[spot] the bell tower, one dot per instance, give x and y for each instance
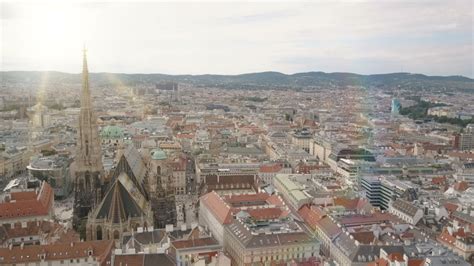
(88, 167)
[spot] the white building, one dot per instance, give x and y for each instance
(406, 211)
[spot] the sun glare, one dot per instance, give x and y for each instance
(56, 30)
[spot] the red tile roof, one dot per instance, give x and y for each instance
(267, 213)
(364, 237)
(23, 195)
(262, 205)
(329, 227)
(129, 260)
(270, 168)
(304, 168)
(438, 180)
(311, 215)
(379, 262)
(31, 228)
(247, 199)
(451, 207)
(416, 262)
(446, 238)
(27, 205)
(355, 204)
(218, 207)
(199, 242)
(395, 257)
(275, 200)
(17, 255)
(461, 186)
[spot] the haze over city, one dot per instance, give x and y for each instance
(365, 37)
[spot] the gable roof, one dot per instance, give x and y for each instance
(118, 205)
(194, 242)
(351, 204)
(461, 186)
(218, 207)
(132, 163)
(27, 204)
(405, 207)
(329, 227)
(20, 255)
(311, 215)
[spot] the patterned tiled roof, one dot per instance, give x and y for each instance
(405, 207)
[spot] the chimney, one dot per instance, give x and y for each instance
(22, 245)
(72, 244)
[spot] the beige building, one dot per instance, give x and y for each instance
(320, 148)
(14, 161)
(248, 244)
(302, 139)
(406, 211)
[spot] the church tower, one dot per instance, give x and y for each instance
(88, 162)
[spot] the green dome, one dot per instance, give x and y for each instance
(112, 132)
(158, 154)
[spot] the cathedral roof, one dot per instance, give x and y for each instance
(133, 165)
(119, 204)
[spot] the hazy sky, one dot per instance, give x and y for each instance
(430, 37)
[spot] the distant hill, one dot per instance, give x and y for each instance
(252, 80)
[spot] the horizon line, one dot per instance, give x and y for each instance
(244, 73)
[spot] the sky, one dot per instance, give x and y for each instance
(367, 37)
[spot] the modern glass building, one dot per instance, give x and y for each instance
(396, 106)
(380, 191)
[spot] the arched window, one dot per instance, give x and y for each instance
(116, 234)
(87, 178)
(99, 232)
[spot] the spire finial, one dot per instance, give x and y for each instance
(84, 61)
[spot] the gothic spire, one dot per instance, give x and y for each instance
(85, 98)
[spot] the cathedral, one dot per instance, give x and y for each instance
(126, 204)
(88, 168)
(139, 193)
